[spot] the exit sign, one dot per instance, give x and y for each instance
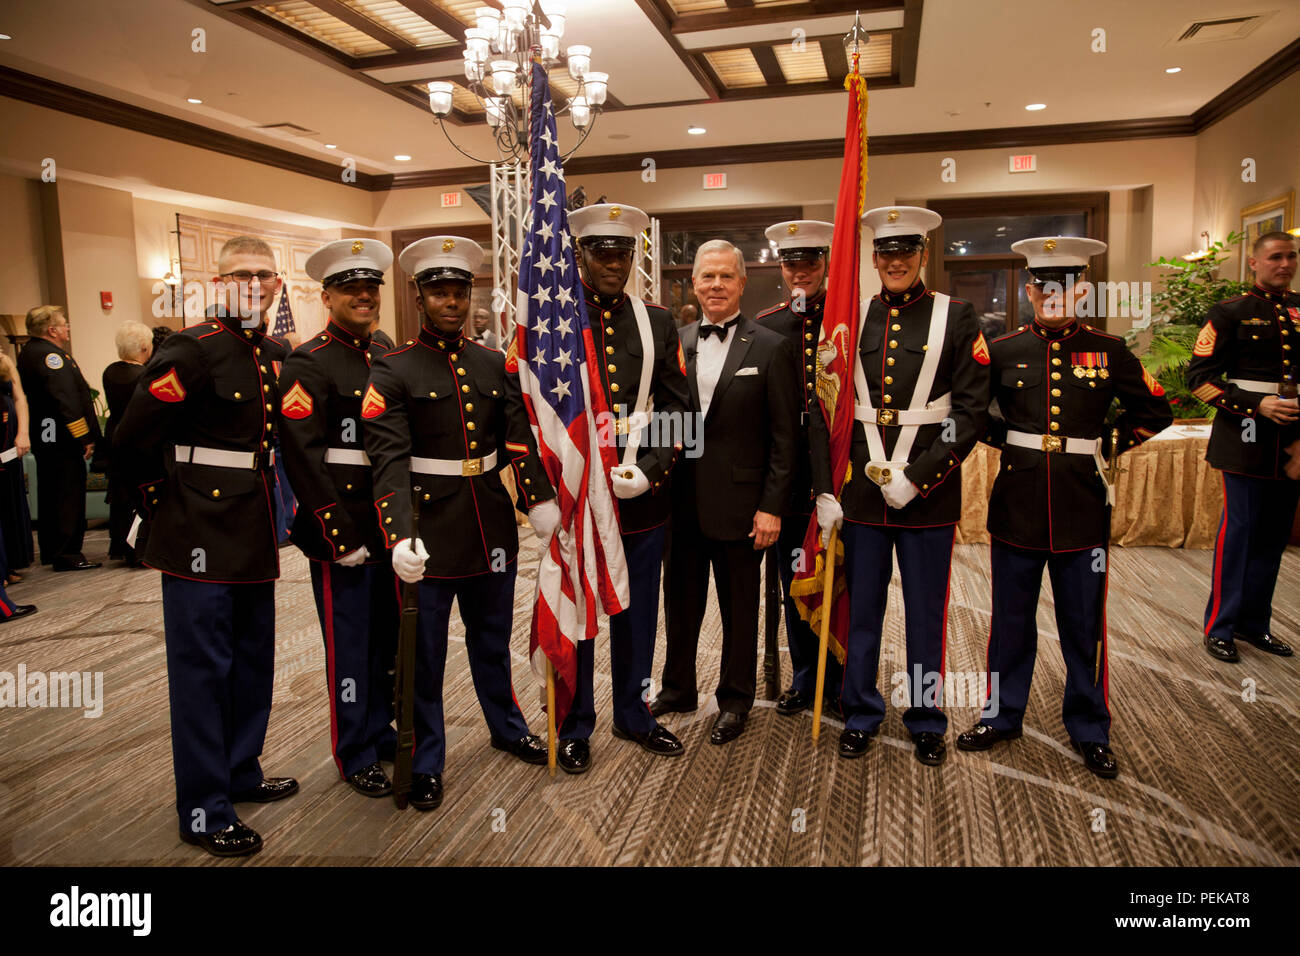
(1024, 164)
(451, 200)
(715, 180)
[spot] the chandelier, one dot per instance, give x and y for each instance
(499, 51)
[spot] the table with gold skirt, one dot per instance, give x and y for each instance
(1166, 496)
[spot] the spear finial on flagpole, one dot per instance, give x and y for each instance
(856, 38)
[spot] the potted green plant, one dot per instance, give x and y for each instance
(1179, 310)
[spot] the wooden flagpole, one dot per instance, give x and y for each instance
(828, 586)
(550, 717)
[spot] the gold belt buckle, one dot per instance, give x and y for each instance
(880, 476)
(1051, 443)
(471, 467)
(884, 416)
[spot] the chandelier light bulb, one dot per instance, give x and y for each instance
(487, 20)
(503, 76)
(596, 86)
(580, 111)
(516, 13)
(478, 45)
(579, 61)
(496, 110)
(440, 97)
(555, 11)
(550, 46)
(473, 68)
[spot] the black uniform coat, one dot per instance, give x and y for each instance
(450, 399)
(56, 390)
(749, 439)
(618, 341)
(1061, 382)
(321, 386)
(801, 330)
(892, 346)
(212, 385)
(1254, 336)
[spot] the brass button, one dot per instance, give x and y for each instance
(608, 315)
(893, 343)
(609, 350)
(469, 406)
(1056, 409)
(890, 360)
(465, 388)
(268, 426)
(1091, 383)
(388, 520)
(1056, 393)
(473, 445)
(460, 371)
(895, 327)
(433, 394)
(613, 387)
(356, 392)
(925, 487)
(807, 351)
(266, 388)
(612, 368)
(469, 426)
(808, 385)
(494, 391)
(1056, 361)
(262, 367)
(1019, 384)
(266, 444)
(1056, 376)
(335, 533)
(608, 330)
(348, 487)
(893, 312)
(237, 395)
(426, 496)
(807, 336)
(151, 488)
(1056, 346)
(888, 399)
(392, 537)
(1055, 426)
(454, 357)
(889, 380)
(342, 548)
(383, 504)
(268, 406)
(327, 516)
(808, 367)
(216, 492)
(528, 481)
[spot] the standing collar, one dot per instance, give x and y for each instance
(361, 342)
(439, 342)
(1054, 335)
(602, 301)
(1271, 294)
(908, 297)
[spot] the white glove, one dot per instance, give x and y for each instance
(409, 556)
(625, 487)
(899, 491)
(829, 514)
(353, 558)
(544, 518)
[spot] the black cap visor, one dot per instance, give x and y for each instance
(444, 274)
(801, 253)
(347, 275)
(1064, 277)
(623, 243)
(899, 244)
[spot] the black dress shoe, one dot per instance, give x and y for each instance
(426, 791)
(529, 749)
(371, 781)
(793, 702)
(82, 565)
(1266, 642)
(930, 748)
(854, 743)
(982, 737)
(727, 728)
(659, 706)
(1098, 759)
(573, 756)
(658, 741)
(1221, 650)
(20, 610)
(268, 791)
(238, 839)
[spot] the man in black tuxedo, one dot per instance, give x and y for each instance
(728, 501)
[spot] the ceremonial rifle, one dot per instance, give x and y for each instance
(1112, 475)
(404, 680)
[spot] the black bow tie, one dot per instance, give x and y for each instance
(709, 328)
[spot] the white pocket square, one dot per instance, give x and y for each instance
(751, 370)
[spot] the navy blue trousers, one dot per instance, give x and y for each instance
(631, 647)
(358, 618)
(1253, 531)
(220, 665)
(1079, 592)
(799, 636)
(924, 561)
(487, 604)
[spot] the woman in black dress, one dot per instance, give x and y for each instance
(134, 341)
(15, 441)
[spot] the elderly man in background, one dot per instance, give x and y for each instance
(64, 433)
(134, 341)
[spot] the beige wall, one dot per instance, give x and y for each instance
(1264, 130)
(23, 275)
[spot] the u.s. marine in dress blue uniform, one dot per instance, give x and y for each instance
(921, 395)
(644, 379)
(200, 428)
(441, 418)
(803, 246)
(1053, 381)
(1251, 341)
(323, 382)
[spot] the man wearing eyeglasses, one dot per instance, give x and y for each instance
(202, 423)
(64, 431)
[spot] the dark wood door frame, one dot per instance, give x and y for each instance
(408, 322)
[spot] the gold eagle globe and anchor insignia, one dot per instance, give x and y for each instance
(448, 245)
(1049, 245)
(357, 247)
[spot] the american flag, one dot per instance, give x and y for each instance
(283, 316)
(556, 358)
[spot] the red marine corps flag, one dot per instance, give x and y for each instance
(555, 355)
(820, 593)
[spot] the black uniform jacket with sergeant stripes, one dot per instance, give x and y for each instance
(452, 400)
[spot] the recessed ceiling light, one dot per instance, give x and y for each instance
(696, 130)
(5, 36)
(1034, 107)
(331, 146)
(195, 100)
(402, 158)
(1174, 69)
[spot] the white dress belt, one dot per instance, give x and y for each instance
(1053, 443)
(1251, 385)
(453, 467)
(347, 456)
(932, 415)
(218, 457)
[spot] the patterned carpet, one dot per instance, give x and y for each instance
(1209, 753)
